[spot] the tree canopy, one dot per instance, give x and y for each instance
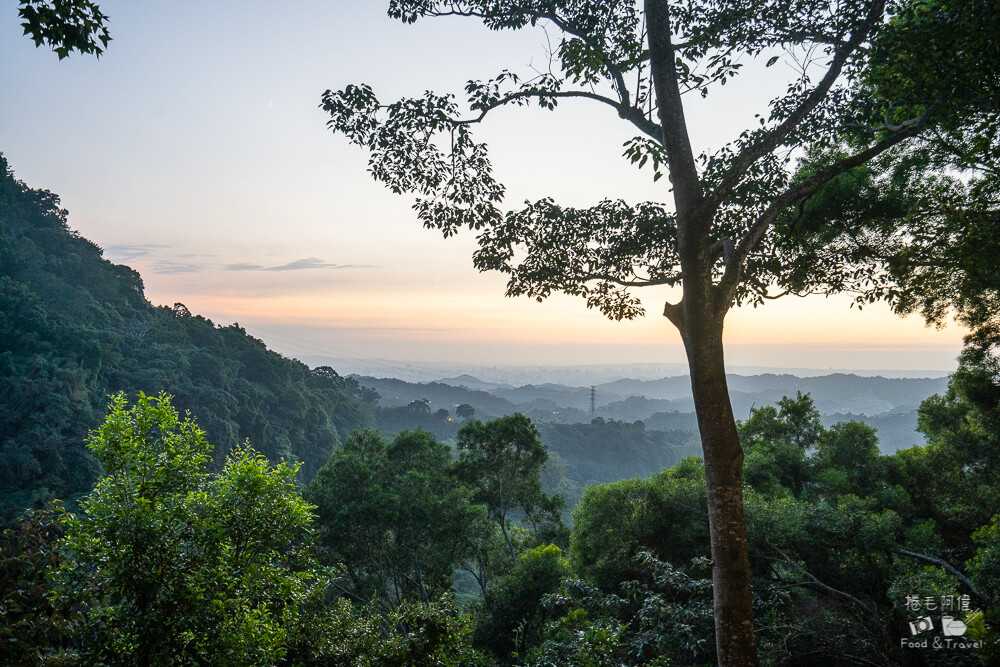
(861, 91)
(191, 567)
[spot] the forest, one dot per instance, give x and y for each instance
(325, 542)
(174, 493)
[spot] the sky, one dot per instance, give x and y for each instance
(194, 151)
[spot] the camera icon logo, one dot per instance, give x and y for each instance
(922, 624)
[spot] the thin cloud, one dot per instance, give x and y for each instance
(295, 265)
(169, 266)
(129, 251)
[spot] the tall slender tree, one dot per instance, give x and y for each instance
(850, 120)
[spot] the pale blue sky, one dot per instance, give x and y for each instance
(194, 151)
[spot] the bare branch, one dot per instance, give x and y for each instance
(626, 109)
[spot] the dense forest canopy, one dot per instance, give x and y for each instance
(411, 551)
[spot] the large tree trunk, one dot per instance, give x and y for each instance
(733, 603)
(699, 318)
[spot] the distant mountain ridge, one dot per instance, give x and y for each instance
(837, 392)
(515, 375)
(888, 404)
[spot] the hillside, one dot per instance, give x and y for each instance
(75, 328)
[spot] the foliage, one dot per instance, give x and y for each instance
(395, 516)
(839, 534)
(955, 479)
(921, 216)
(664, 515)
(189, 567)
(501, 461)
(663, 618)
(776, 440)
(868, 92)
(511, 616)
(35, 625)
(416, 415)
(65, 25)
(985, 566)
(860, 95)
(847, 460)
(342, 634)
(169, 561)
(606, 450)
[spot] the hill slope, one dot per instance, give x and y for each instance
(75, 328)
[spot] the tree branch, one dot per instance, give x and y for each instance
(985, 599)
(675, 313)
(629, 113)
(816, 582)
(731, 277)
(651, 282)
(773, 139)
(680, 158)
(615, 73)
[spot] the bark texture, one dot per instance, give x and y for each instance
(732, 599)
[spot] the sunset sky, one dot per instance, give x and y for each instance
(194, 151)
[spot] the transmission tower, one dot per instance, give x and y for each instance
(593, 401)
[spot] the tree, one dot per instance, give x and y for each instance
(465, 412)
(511, 617)
(394, 516)
(420, 406)
(663, 514)
(501, 462)
(65, 25)
(847, 459)
(734, 235)
(775, 442)
(191, 568)
(35, 624)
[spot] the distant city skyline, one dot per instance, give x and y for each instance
(194, 151)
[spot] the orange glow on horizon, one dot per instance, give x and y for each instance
(562, 320)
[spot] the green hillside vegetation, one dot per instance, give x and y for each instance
(170, 562)
(607, 450)
(75, 328)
